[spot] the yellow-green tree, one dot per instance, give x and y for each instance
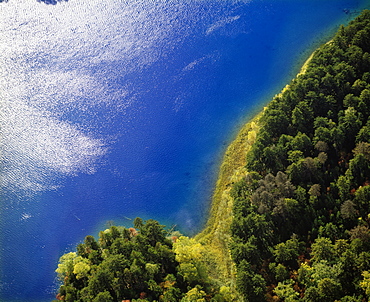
(188, 250)
(81, 267)
(365, 283)
(194, 295)
(189, 253)
(66, 265)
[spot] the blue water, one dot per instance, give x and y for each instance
(115, 110)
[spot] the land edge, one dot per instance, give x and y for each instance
(216, 235)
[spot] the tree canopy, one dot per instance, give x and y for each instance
(137, 264)
(302, 213)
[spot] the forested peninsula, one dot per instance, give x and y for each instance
(290, 219)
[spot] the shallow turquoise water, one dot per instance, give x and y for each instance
(115, 110)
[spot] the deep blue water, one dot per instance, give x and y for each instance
(112, 111)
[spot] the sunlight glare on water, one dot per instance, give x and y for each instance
(115, 109)
(48, 60)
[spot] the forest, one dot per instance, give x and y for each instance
(301, 213)
(142, 263)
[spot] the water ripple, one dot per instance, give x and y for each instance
(48, 68)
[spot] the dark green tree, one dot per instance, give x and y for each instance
(250, 284)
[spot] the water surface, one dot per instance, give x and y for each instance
(112, 110)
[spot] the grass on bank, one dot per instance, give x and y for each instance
(216, 235)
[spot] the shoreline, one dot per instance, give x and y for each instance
(216, 234)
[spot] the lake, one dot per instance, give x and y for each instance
(116, 109)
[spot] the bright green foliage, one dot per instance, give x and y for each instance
(305, 275)
(194, 295)
(187, 250)
(226, 293)
(81, 267)
(151, 268)
(129, 264)
(189, 253)
(189, 272)
(66, 265)
(323, 269)
(365, 283)
(301, 228)
(322, 249)
(285, 291)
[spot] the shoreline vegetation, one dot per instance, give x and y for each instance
(290, 213)
(216, 235)
(301, 225)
